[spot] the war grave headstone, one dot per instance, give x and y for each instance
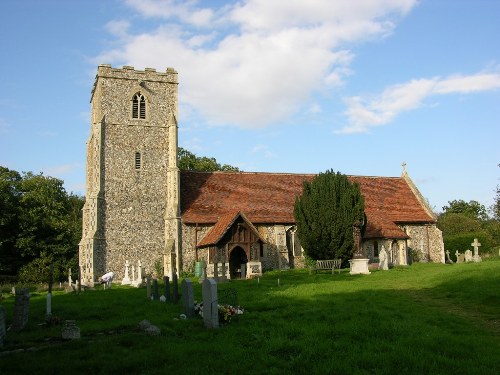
(210, 308)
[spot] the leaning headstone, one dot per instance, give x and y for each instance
(70, 330)
(21, 309)
(460, 257)
(210, 308)
(468, 256)
(126, 279)
(187, 297)
(3, 330)
(476, 245)
(448, 259)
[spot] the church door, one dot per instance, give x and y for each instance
(237, 263)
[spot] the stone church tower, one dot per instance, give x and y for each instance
(132, 180)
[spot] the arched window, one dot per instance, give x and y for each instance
(375, 249)
(139, 106)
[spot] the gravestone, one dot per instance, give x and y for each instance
(138, 282)
(468, 256)
(210, 308)
(166, 288)
(460, 257)
(187, 297)
(383, 262)
(70, 330)
(203, 271)
(3, 331)
(476, 245)
(126, 279)
(49, 294)
(148, 287)
(448, 259)
(156, 295)
(175, 286)
(21, 309)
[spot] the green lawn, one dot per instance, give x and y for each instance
(423, 319)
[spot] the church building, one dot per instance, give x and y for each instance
(140, 207)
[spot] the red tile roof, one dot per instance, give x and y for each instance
(268, 198)
(220, 228)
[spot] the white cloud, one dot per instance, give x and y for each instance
(256, 62)
(264, 151)
(381, 109)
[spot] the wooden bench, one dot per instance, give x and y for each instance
(330, 264)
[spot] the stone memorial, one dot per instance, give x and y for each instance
(166, 288)
(468, 255)
(359, 262)
(138, 281)
(126, 279)
(21, 309)
(210, 308)
(460, 257)
(175, 286)
(148, 287)
(156, 294)
(70, 330)
(448, 259)
(187, 297)
(476, 245)
(383, 261)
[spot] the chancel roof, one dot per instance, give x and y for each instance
(268, 198)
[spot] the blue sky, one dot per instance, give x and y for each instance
(281, 86)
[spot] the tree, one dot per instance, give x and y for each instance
(10, 259)
(472, 209)
(40, 224)
(325, 214)
(188, 161)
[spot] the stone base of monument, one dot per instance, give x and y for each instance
(359, 266)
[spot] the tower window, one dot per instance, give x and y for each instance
(137, 160)
(139, 106)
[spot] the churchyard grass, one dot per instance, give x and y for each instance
(426, 318)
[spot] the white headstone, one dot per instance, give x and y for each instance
(476, 245)
(210, 307)
(383, 262)
(468, 256)
(126, 279)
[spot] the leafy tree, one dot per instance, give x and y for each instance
(325, 214)
(44, 225)
(472, 209)
(10, 259)
(190, 162)
(457, 223)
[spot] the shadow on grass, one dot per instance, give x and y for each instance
(386, 323)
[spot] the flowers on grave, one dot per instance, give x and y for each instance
(225, 312)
